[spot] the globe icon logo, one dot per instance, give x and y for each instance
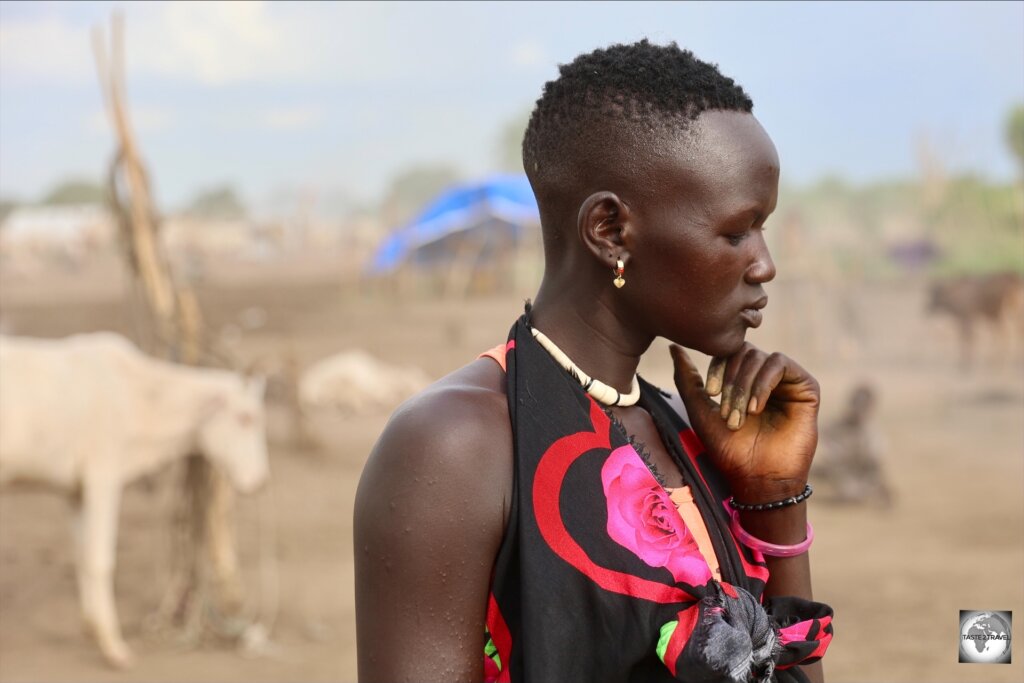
(985, 637)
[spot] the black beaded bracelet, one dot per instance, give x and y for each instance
(792, 500)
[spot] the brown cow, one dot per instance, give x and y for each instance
(995, 298)
(848, 464)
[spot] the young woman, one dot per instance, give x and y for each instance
(543, 514)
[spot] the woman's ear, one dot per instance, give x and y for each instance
(602, 223)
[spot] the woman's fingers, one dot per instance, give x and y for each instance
(747, 379)
(716, 374)
(737, 392)
(769, 375)
(732, 366)
(699, 406)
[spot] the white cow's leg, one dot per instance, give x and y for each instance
(85, 604)
(101, 499)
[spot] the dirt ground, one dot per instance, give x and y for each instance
(897, 578)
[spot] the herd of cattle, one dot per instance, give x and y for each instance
(90, 413)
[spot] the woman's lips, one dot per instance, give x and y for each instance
(752, 313)
(751, 316)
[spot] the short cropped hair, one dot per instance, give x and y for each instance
(618, 95)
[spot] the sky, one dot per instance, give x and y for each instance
(335, 99)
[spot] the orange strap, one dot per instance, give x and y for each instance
(683, 498)
(497, 354)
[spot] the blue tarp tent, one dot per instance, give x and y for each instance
(505, 201)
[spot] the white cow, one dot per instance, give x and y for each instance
(90, 413)
(355, 382)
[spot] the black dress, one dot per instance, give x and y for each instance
(597, 579)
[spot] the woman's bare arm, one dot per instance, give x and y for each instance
(429, 517)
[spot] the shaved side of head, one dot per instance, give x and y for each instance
(608, 118)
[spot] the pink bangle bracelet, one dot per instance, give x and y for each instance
(766, 548)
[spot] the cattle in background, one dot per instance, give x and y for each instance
(90, 413)
(356, 383)
(993, 298)
(848, 464)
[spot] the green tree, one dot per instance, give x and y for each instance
(6, 207)
(76, 191)
(219, 203)
(510, 143)
(411, 189)
(1015, 134)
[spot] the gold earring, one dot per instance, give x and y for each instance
(619, 268)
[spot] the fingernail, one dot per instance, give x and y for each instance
(752, 406)
(714, 385)
(734, 419)
(726, 401)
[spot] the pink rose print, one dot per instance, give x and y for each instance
(642, 518)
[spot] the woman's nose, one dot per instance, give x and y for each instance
(762, 269)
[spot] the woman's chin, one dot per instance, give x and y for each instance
(713, 350)
(724, 345)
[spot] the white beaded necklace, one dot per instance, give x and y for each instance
(601, 392)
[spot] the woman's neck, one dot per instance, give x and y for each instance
(590, 333)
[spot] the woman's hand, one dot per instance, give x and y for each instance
(763, 434)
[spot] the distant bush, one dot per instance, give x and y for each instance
(963, 224)
(76, 192)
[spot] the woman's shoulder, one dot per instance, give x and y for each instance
(451, 441)
(463, 406)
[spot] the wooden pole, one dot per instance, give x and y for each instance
(173, 311)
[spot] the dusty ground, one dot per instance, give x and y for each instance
(896, 578)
